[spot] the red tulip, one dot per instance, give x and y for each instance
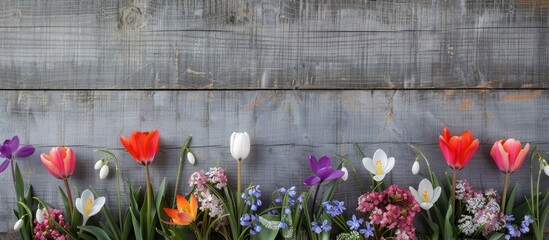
(142, 146)
(457, 150)
(60, 163)
(509, 155)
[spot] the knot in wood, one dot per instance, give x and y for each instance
(130, 17)
(240, 15)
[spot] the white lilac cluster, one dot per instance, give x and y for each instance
(208, 201)
(482, 210)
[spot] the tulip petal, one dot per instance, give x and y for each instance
(447, 151)
(127, 143)
(193, 206)
(520, 158)
(49, 166)
(172, 213)
(311, 180)
(446, 135)
(182, 204)
(4, 165)
(369, 165)
(469, 152)
(151, 145)
(498, 154)
(25, 151)
(69, 161)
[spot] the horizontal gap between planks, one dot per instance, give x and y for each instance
(271, 89)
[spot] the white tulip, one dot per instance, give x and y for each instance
(345, 175)
(18, 224)
(240, 145)
(546, 170)
(98, 165)
(104, 172)
(380, 165)
(415, 168)
(39, 215)
(190, 158)
(425, 195)
(88, 206)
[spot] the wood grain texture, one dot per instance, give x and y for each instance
(273, 44)
(285, 127)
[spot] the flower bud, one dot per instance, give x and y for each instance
(39, 215)
(345, 174)
(104, 172)
(415, 168)
(240, 145)
(18, 224)
(190, 158)
(98, 165)
(546, 170)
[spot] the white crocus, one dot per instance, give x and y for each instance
(380, 165)
(18, 224)
(345, 174)
(39, 215)
(425, 195)
(240, 145)
(104, 172)
(415, 168)
(88, 206)
(190, 158)
(98, 165)
(546, 170)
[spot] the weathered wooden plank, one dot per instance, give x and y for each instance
(273, 44)
(285, 127)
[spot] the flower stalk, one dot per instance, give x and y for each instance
(69, 194)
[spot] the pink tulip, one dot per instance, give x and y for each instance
(60, 162)
(509, 154)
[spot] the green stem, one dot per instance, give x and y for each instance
(118, 192)
(148, 197)
(69, 194)
(314, 200)
(182, 152)
(12, 171)
(505, 185)
(454, 180)
(429, 215)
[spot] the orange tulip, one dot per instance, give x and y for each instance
(142, 146)
(60, 162)
(457, 150)
(185, 213)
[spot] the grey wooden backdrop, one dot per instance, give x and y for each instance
(301, 76)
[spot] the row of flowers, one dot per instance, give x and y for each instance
(212, 208)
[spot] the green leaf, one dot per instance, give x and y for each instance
(126, 230)
(97, 232)
(269, 228)
(496, 236)
(511, 200)
(448, 229)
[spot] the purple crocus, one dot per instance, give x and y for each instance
(322, 170)
(11, 149)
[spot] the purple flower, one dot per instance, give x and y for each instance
(10, 149)
(335, 208)
(368, 231)
(322, 170)
(325, 227)
(316, 228)
(354, 224)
